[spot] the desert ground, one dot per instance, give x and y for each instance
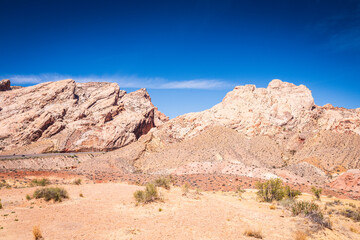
(108, 211)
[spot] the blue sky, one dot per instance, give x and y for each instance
(188, 54)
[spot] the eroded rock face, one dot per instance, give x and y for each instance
(5, 85)
(283, 111)
(74, 116)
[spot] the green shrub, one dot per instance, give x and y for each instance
(40, 182)
(150, 194)
(270, 190)
(162, 182)
(316, 192)
(55, 193)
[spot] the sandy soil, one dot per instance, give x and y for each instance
(108, 211)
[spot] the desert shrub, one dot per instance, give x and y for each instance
(40, 182)
(37, 233)
(253, 233)
(316, 192)
(77, 181)
(185, 189)
(162, 182)
(300, 235)
(150, 194)
(1, 204)
(28, 197)
(270, 190)
(352, 205)
(354, 230)
(352, 214)
(272, 207)
(3, 183)
(55, 193)
(291, 193)
(335, 202)
(312, 211)
(304, 207)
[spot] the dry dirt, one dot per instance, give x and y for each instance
(108, 211)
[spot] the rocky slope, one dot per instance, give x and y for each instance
(70, 116)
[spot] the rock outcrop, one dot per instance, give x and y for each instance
(5, 85)
(277, 127)
(70, 116)
(283, 111)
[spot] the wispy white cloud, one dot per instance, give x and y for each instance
(123, 81)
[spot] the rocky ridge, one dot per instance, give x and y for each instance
(69, 116)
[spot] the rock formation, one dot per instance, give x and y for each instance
(5, 85)
(278, 129)
(70, 116)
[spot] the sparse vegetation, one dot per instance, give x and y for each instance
(28, 197)
(3, 183)
(312, 211)
(81, 195)
(150, 194)
(162, 182)
(55, 193)
(304, 207)
(1, 206)
(352, 214)
(40, 182)
(253, 233)
(272, 207)
(77, 181)
(37, 233)
(316, 192)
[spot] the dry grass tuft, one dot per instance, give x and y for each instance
(37, 233)
(253, 233)
(300, 235)
(272, 207)
(354, 230)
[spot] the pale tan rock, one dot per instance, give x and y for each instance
(75, 116)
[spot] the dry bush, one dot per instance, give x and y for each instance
(162, 182)
(300, 235)
(185, 189)
(55, 193)
(312, 211)
(253, 233)
(3, 183)
(40, 182)
(272, 207)
(77, 181)
(1, 206)
(150, 194)
(37, 233)
(352, 214)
